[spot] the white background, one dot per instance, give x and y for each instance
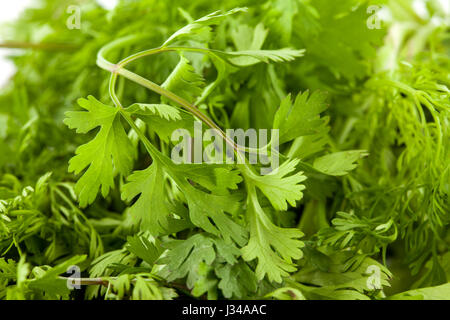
(9, 11)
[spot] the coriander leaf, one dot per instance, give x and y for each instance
(200, 29)
(307, 146)
(227, 251)
(281, 189)
(302, 118)
(274, 247)
(7, 269)
(161, 119)
(245, 38)
(152, 208)
(101, 266)
(162, 110)
(143, 247)
(342, 280)
(441, 292)
(184, 257)
(205, 282)
(250, 57)
(339, 163)
(212, 218)
(286, 293)
(219, 179)
(146, 289)
(184, 81)
(342, 41)
(49, 281)
(110, 149)
(236, 280)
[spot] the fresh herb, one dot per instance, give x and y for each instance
(349, 198)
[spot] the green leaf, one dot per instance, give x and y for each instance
(100, 266)
(50, 282)
(152, 208)
(206, 282)
(286, 293)
(143, 247)
(236, 280)
(146, 289)
(280, 188)
(7, 269)
(200, 29)
(250, 57)
(211, 218)
(348, 276)
(306, 146)
(218, 179)
(301, 118)
(161, 119)
(441, 292)
(162, 110)
(227, 251)
(184, 257)
(339, 163)
(184, 81)
(121, 285)
(274, 247)
(341, 41)
(110, 149)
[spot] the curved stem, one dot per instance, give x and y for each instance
(119, 69)
(151, 149)
(112, 90)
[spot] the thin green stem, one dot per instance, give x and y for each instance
(118, 69)
(37, 46)
(151, 149)
(112, 90)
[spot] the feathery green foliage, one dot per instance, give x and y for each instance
(358, 207)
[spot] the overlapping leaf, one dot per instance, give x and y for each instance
(110, 149)
(301, 118)
(274, 247)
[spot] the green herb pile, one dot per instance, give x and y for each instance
(358, 208)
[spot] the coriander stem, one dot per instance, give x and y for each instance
(118, 69)
(112, 90)
(36, 46)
